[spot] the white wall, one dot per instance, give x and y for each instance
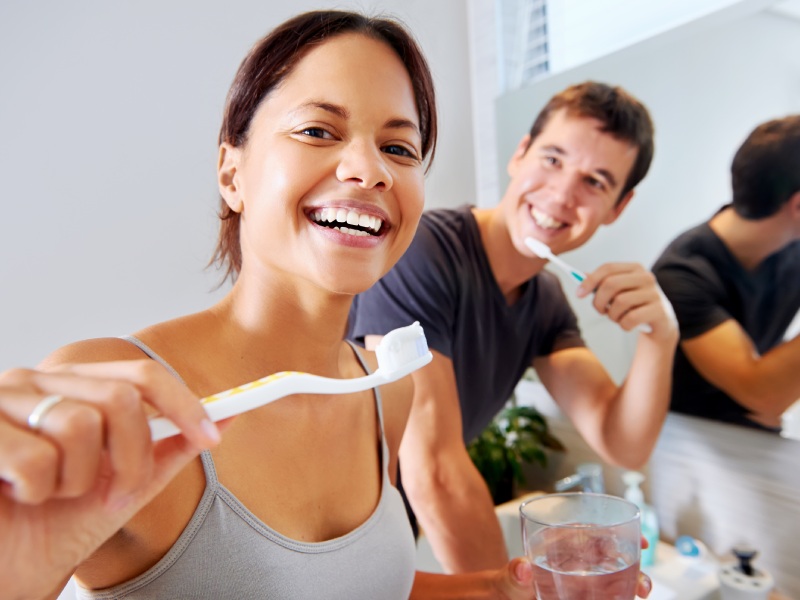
(582, 30)
(109, 113)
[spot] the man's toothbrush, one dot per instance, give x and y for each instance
(542, 250)
(399, 352)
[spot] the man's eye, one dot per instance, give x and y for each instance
(551, 161)
(596, 183)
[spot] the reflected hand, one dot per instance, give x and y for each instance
(89, 467)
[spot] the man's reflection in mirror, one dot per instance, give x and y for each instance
(734, 282)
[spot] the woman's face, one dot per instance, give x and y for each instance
(330, 181)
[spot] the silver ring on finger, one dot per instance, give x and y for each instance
(40, 411)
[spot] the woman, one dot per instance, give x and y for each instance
(332, 113)
(327, 128)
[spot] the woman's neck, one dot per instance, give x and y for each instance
(298, 325)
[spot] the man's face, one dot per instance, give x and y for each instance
(566, 184)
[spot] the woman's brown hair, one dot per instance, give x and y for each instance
(274, 57)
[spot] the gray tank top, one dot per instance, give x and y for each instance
(227, 552)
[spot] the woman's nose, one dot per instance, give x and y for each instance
(365, 165)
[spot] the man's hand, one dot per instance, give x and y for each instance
(628, 294)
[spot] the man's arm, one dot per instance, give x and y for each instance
(767, 385)
(446, 491)
(621, 424)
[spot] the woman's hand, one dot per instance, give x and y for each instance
(77, 461)
(516, 581)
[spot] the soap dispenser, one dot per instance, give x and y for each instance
(649, 519)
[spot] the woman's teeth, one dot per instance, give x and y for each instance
(545, 221)
(337, 218)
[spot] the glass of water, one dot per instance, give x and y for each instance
(582, 546)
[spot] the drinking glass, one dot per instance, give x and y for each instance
(582, 546)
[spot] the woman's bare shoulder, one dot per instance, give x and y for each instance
(92, 350)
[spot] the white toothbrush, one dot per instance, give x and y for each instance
(542, 250)
(399, 352)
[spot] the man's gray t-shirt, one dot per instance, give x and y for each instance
(444, 281)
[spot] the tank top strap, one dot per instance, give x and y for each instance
(205, 456)
(376, 390)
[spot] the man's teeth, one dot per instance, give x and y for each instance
(370, 225)
(545, 221)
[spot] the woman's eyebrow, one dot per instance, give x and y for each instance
(339, 111)
(400, 123)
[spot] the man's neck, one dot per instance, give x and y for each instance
(510, 268)
(750, 241)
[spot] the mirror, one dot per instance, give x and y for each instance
(707, 85)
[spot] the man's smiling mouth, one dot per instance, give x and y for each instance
(546, 221)
(347, 221)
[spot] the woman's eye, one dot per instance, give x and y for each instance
(399, 151)
(551, 161)
(316, 132)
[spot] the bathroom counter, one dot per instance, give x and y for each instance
(674, 577)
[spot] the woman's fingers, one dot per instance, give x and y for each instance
(163, 391)
(97, 419)
(91, 423)
(645, 586)
(142, 388)
(29, 465)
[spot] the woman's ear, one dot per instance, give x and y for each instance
(228, 178)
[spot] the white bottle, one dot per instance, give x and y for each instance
(649, 519)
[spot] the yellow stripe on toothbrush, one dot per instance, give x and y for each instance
(248, 386)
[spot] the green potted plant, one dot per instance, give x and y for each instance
(517, 435)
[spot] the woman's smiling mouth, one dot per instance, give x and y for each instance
(347, 220)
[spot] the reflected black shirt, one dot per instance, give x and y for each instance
(707, 286)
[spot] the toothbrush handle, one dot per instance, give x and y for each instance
(258, 393)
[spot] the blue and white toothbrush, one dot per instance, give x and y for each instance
(399, 352)
(542, 250)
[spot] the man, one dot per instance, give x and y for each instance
(735, 284)
(490, 311)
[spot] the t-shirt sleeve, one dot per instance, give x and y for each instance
(563, 331)
(692, 288)
(420, 287)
